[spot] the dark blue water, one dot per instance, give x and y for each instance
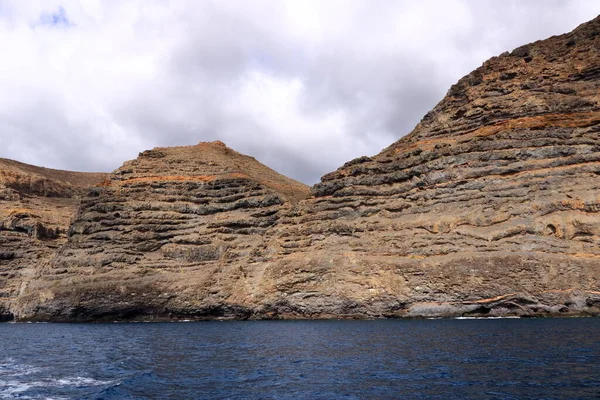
(431, 359)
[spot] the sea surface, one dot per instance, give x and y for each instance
(389, 359)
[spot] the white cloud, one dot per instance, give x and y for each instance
(301, 85)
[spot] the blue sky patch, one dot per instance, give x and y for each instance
(58, 18)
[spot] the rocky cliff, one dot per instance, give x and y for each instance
(175, 233)
(36, 207)
(488, 207)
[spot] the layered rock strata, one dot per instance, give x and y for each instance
(488, 208)
(175, 232)
(36, 207)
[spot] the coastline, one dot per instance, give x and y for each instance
(416, 311)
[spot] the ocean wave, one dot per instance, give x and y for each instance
(14, 383)
(9, 368)
(506, 317)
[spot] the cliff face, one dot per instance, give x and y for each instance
(494, 195)
(489, 207)
(36, 207)
(176, 232)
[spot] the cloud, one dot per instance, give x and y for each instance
(303, 86)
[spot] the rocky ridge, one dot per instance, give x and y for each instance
(488, 208)
(173, 233)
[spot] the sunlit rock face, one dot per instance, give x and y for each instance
(489, 207)
(36, 207)
(494, 195)
(178, 232)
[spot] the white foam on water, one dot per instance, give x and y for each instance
(13, 389)
(16, 389)
(13, 385)
(508, 317)
(8, 368)
(78, 381)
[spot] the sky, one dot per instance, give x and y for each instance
(301, 85)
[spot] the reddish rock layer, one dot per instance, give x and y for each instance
(173, 233)
(489, 207)
(494, 193)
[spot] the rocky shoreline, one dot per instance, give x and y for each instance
(556, 304)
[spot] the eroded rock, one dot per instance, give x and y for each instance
(36, 207)
(489, 207)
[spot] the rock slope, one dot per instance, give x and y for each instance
(489, 207)
(173, 233)
(36, 207)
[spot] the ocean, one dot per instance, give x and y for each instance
(381, 359)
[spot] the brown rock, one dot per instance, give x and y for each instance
(495, 192)
(488, 208)
(36, 207)
(176, 232)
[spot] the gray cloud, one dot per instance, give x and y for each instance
(301, 86)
